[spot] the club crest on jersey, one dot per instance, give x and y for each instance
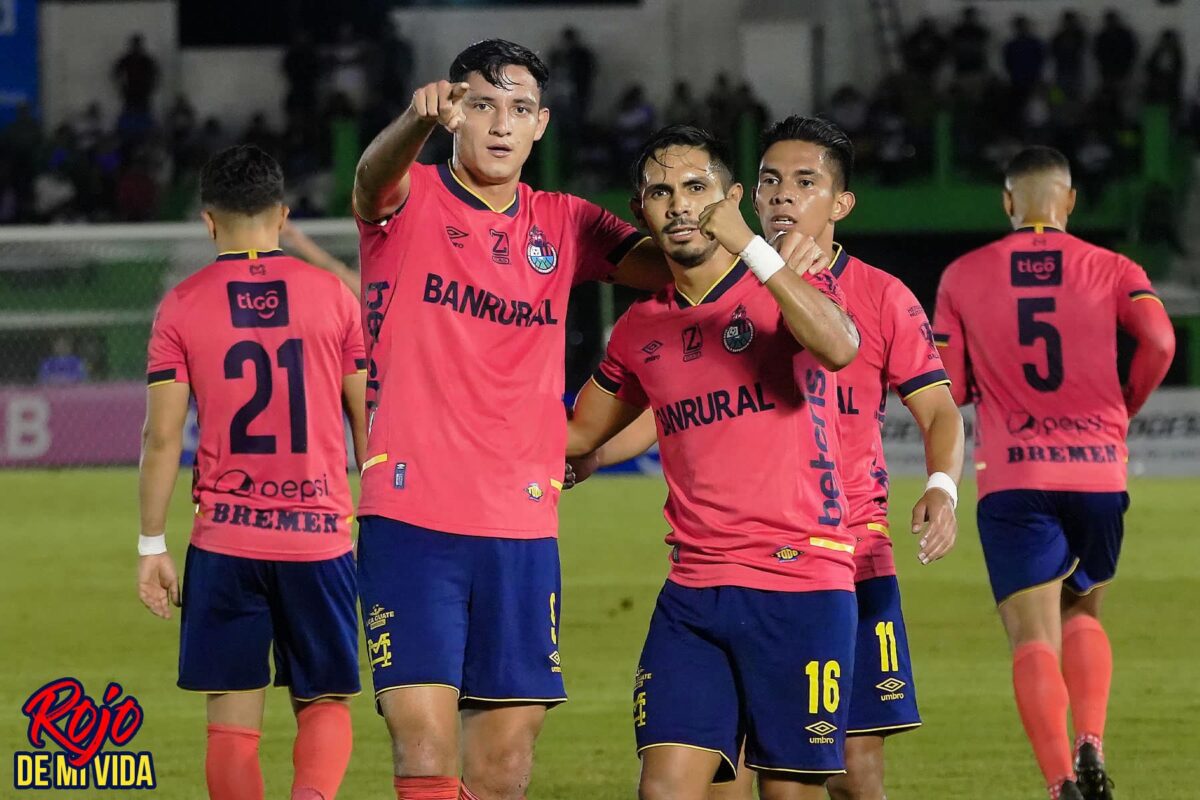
(542, 255)
(786, 554)
(535, 493)
(739, 333)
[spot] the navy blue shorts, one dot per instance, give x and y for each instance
(727, 665)
(474, 613)
(235, 610)
(884, 696)
(1031, 537)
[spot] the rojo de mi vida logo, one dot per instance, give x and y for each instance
(68, 732)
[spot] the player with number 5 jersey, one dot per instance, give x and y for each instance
(271, 349)
(1027, 327)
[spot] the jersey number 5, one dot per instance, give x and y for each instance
(1030, 329)
(290, 357)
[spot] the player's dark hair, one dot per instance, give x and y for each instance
(243, 179)
(683, 136)
(491, 56)
(820, 132)
(1036, 159)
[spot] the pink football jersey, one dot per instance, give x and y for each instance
(464, 309)
(897, 351)
(264, 340)
(747, 430)
(1032, 320)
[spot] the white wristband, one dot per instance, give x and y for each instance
(152, 545)
(940, 480)
(762, 259)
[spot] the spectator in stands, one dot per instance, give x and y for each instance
(137, 190)
(1067, 51)
(1164, 72)
(91, 127)
(719, 107)
(62, 366)
(747, 105)
(21, 142)
(968, 45)
(924, 49)
(347, 60)
(633, 124)
(682, 108)
(9, 205)
(397, 59)
(301, 70)
(259, 134)
(54, 196)
(1024, 59)
(137, 74)
(1116, 49)
(574, 63)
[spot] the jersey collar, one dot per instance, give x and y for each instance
(460, 190)
(248, 255)
(840, 259)
(726, 282)
(1038, 227)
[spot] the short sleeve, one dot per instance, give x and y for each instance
(354, 355)
(167, 355)
(372, 231)
(614, 376)
(1133, 286)
(603, 240)
(949, 336)
(911, 360)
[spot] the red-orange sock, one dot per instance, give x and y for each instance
(324, 739)
(231, 763)
(1087, 669)
(436, 788)
(1042, 704)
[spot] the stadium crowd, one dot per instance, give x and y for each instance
(1079, 90)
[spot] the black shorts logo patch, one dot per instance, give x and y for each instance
(1040, 268)
(258, 305)
(739, 333)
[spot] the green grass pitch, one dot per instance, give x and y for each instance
(69, 607)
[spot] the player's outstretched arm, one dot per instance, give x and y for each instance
(1146, 321)
(381, 181)
(941, 426)
(304, 248)
(638, 437)
(597, 418)
(162, 445)
(354, 401)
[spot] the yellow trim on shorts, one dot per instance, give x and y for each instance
(1091, 589)
(886, 728)
(163, 383)
(601, 388)
(535, 700)
(328, 696)
(916, 392)
(1044, 584)
(387, 689)
(724, 757)
(556, 484)
(830, 544)
(881, 527)
(373, 461)
(759, 767)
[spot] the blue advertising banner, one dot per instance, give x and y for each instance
(19, 63)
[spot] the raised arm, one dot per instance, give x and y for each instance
(381, 181)
(816, 321)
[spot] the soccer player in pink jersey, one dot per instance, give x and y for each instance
(803, 186)
(271, 348)
(736, 360)
(466, 274)
(1027, 327)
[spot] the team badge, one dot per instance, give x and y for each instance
(535, 492)
(786, 554)
(542, 255)
(739, 333)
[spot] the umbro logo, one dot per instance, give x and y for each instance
(455, 234)
(651, 350)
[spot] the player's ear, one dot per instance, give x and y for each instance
(1008, 204)
(543, 121)
(735, 193)
(284, 212)
(1072, 196)
(635, 207)
(209, 223)
(843, 205)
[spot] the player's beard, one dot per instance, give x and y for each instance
(691, 254)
